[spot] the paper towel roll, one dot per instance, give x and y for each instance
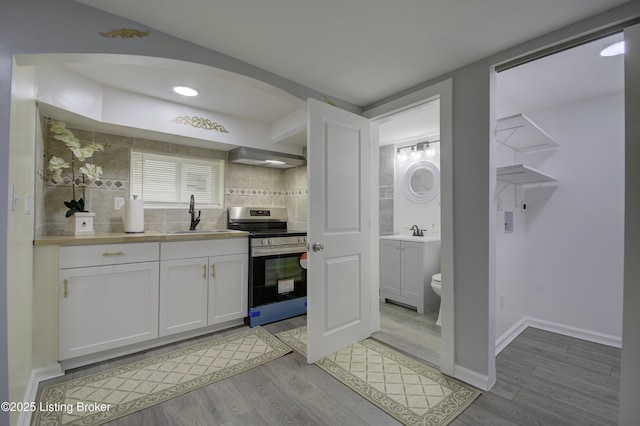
(133, 216)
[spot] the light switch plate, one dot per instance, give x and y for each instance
(118, 202)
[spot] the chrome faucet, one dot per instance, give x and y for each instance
(417, 232)
(194, 220)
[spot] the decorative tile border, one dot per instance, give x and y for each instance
(251, 192)
(105, 183)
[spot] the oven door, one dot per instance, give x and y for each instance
(276, 277)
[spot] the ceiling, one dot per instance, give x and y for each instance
(358, 50)
(571, 76)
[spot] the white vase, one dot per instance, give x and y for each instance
(79, 223)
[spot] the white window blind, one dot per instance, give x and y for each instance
(166, 181)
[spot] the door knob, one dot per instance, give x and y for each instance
(317, 247)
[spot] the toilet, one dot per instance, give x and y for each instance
(436, 285)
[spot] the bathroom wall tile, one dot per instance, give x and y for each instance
(386, 217)
(387, 159)
(386, 192)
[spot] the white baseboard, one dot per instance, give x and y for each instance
(37, 375)
(579, 333)
(473, 378)
(504, 340)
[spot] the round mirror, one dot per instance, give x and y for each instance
(422, 182)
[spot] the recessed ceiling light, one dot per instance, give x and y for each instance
(613, 50)
(185, 91)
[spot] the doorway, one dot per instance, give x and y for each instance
(409, 224)
(408, 105)
(550, 258)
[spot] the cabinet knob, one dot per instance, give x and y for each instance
(115, 253)
(213, 270)
(204, 271)
(65, 293)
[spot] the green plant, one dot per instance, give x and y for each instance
(80, 154)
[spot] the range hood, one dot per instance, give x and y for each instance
(262, 157)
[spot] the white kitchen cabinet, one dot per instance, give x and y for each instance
(107, 306)
(228, 288)
(183, 295)
(406, 267)
(202, 283)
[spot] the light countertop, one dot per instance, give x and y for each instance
(143, 237)
(402, 237)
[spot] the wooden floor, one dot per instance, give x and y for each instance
(410, 332)
(543, 379)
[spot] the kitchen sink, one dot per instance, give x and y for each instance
(201, 231)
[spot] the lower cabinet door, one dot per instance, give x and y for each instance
(106, 307)
(228, 288)
(183, 295)
(390, 267)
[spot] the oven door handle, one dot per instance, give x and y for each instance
(268, 251)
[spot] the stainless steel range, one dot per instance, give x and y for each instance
(277, 263)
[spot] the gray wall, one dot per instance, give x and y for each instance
(630, 373)
(35, 26)
(474, 263)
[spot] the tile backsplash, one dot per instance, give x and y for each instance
(244, 186)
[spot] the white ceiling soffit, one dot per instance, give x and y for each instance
(362, 50)
(218, 90)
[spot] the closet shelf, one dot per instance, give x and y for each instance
(523, 135)
(520, 173)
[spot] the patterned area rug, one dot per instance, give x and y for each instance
(106, 396)
(411, 392)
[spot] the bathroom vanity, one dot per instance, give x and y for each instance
(406, 266)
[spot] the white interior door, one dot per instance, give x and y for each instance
(339, 236)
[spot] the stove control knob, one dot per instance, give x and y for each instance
(301, 239)
(271, 241)
(265, 242)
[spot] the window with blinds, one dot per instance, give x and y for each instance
(168, 181)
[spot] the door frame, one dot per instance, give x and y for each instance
(444, 91)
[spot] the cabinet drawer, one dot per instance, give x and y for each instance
(203, 248)
(108, 254)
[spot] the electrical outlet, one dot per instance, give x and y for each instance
(118, 202)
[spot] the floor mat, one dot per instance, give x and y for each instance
(114, 393)
(413, 393)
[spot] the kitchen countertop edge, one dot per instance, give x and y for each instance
(121, 237)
